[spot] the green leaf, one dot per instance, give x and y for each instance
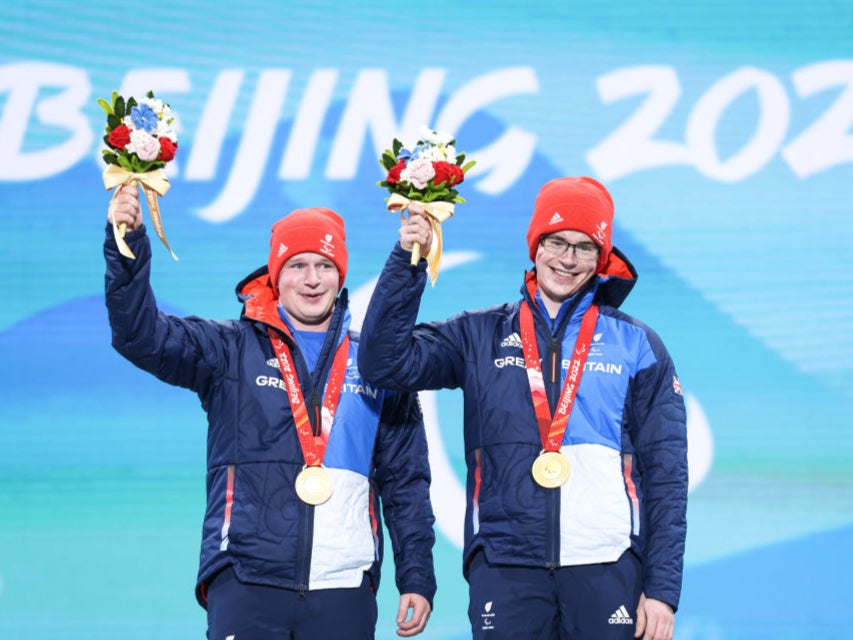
(468, 166)
(388, 161)
(396, 146)
(150, 94)
(110, 158)
(119, 107)
(440, 194)
(460, 158)
(106, 106)
(124, 163)
(113, 121)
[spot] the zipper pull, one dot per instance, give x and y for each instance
(553, 349)
(315, 403)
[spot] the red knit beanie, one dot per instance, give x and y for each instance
(573, 204)
(313, 230)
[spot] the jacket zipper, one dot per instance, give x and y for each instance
(552, 506)
(303, 547)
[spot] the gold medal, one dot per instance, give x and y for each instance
(551, 469)
(314, 485)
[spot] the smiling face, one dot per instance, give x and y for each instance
(308, 286)
(560, 277)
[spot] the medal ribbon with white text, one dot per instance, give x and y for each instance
(551, 430)
(313, 447)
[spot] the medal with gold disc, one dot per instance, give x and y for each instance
(313, 485)
(551, 468)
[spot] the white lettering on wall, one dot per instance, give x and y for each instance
(22, 83)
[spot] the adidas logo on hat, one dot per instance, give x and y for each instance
(555, 218)
(282, 249)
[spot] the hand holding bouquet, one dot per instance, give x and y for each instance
(429, 173)
(140, 142)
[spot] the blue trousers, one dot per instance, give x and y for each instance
(585, 602)
(240, 611)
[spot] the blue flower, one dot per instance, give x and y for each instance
(414, 154)
(144, 117)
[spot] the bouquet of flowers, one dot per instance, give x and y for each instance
(140, 142)
(429, 173)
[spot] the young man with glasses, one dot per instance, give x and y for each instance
(577, 456)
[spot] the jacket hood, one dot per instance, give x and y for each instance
(259, 300)
(616, 279)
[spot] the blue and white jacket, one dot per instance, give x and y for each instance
(625, 440)
(376, 454)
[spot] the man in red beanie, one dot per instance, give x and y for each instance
(303, 454)
(575, 429)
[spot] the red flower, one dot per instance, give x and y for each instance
(119, 137)
(448, 173)
(394, 174)
(167, 149)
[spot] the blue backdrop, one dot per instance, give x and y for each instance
(723, 130)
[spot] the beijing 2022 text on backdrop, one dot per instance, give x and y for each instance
(723, 130)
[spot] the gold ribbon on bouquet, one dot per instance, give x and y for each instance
(153, 183)
(437, 212)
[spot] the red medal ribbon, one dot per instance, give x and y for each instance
(551, 430)
(313, 447)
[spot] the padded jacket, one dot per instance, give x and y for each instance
(625, 440)
(376, 453)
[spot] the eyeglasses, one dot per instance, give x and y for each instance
(557, 246)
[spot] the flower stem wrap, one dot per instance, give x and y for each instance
(437, 212)
(153, 183)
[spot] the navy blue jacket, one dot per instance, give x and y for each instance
(376, 454)
(625, 441)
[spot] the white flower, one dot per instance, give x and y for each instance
(433, 154)
(155, 104)
(164, 130)
(435, 138)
